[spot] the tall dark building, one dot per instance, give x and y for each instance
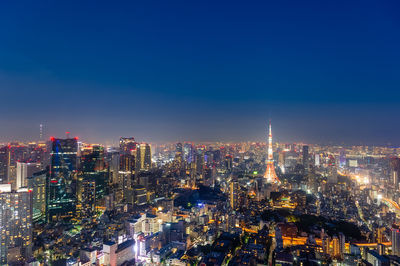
(62, 184)
(88, 187)
(93, 167)
(200, 161)
(127, 145)
(127, 164)
(4, 164)
(305, 157)
(127, 170)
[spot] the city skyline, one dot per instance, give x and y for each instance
(204, 133)
(323, 72)
(42, 135)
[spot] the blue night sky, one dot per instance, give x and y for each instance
(323, 71)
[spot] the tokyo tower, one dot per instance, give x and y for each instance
(270, 174)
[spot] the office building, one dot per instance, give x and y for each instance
(4, 164)
(144, 157)
(395, 172)
(395, 241)
(234, 194)
(37, 185)
(93, 168)
(305, 157)
(15, 225)
(127, 145)
(62, 183)
(88, 197)
(25, 170)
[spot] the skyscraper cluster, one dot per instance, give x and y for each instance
(67, 202)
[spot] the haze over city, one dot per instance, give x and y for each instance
(201, 71)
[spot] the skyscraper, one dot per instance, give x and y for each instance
(234, 194)
(395, 171)
(92, 167)
(270, 174)
(305, 157)
(395, 241)
(342, 244)
(37, 185)
(25, 170)
(126, 170)
(188, 152)
(62, 183)
(144, 156)
(335, 247)
(200, 161)
(88, 196)
(4, 163)
(127, 145)
(15, 225)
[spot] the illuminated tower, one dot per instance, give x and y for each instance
(270, 174)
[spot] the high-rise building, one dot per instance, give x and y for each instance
(234, 194)
(144, 157)
(18, 152)
(127, 167)
(395, 241)
(62, 184)
(200, 161)
(316, 160)
(15, 225)
(37, 185)
(229, 163)
(93, 167)
(88, 196)
(335, 247)
(179, 148)
(179, 153)
(113, 165)
(305, 156)
(395, 171)
(4, 164)
(127, 145)
(342, 244)
(25, 170)
(270, 174)
(188, 152)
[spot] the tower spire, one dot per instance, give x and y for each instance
(270, 174)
